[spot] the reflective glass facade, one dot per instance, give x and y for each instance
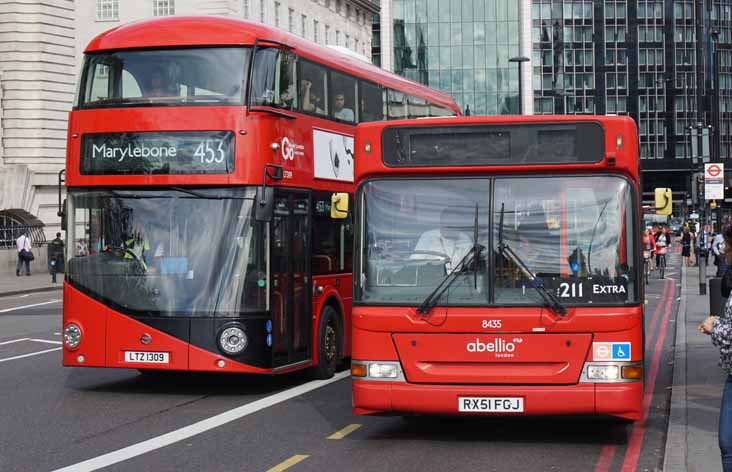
(461, 47)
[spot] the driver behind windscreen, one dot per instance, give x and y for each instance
(447, 241)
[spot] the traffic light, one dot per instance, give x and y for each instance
(699, 190)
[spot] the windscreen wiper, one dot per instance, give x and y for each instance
(551, 300)
(471, 258)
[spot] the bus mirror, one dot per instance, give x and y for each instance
(664, 201)
(62, 214)
(264, 204)
(339, 206)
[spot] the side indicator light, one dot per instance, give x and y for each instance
(358, 370)
(632, 372)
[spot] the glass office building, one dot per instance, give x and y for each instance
(461, 47)
(650, 59)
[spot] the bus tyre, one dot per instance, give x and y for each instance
(328, 343)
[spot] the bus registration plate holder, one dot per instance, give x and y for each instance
(147, 357)
(491, 404)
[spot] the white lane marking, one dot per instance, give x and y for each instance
(13, 341)
(197, 428)
(57, 334)
(45, 341)
(29, 306)
(29, 355)
(24, 296)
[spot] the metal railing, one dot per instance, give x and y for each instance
(8, 235)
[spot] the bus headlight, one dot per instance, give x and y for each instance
(72, 336)
(233, 340)
(377, 370)
(602, 372)
(612, 372)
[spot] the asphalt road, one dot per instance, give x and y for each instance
(86, 419)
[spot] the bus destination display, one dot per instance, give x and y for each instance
(172, 152)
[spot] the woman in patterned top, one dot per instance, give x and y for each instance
(720, 329)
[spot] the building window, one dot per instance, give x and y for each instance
(277, 14)
(303, 20)
(107, 10)
(291, 20)
(315, 31)
(327, 34)
(338, 38)
(261, 11)
(245, 9)
(163, 7)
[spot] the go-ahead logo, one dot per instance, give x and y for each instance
(499, 346)
(290, 149)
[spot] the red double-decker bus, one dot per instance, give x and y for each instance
(204, 159)
(496, 267)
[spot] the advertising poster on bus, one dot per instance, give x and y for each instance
(333, 156)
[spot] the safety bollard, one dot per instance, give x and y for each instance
(702, 265)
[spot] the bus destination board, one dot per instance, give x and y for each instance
(171, 152)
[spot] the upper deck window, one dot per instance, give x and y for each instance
(469, 145)
(195, 76)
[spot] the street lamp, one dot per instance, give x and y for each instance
(519, 60)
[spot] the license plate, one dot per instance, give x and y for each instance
(491, 404)
(146, 357)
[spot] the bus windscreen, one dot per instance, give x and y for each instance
(480, 145)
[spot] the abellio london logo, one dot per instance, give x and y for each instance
(498, 346)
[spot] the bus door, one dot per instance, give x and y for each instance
(290, 278)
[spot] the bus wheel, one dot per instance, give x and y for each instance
(328, 342)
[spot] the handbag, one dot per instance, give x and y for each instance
(28, 255)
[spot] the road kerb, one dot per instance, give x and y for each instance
(676, 445)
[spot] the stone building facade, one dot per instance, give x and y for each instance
(41, 51)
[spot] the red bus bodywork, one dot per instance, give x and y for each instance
(259, 138)
(440, 364)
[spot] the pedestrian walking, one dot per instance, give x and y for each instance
(686, 245)
(720, 330)
(718, 248)
(23, 244)
(56, 257)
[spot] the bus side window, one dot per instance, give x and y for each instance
(286, 81)
(418, 107)
(437, 110)
(273, 79)
(343, 97)
(313, 88)
(372, 102)
(396, 105)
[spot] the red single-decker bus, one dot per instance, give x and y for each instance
(496, 267)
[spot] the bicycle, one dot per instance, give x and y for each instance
(647, 265)
(661, 251)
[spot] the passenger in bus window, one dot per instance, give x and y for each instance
(157, 84)
(310, 101)
(340, 111)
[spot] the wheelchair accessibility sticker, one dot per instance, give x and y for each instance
(610, 351)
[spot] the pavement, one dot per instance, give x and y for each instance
(39, 281)
(691, 441)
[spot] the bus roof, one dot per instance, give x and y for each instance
(181, 31)
(620, 145)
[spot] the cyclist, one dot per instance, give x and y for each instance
(649, 246)
(663, 241)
